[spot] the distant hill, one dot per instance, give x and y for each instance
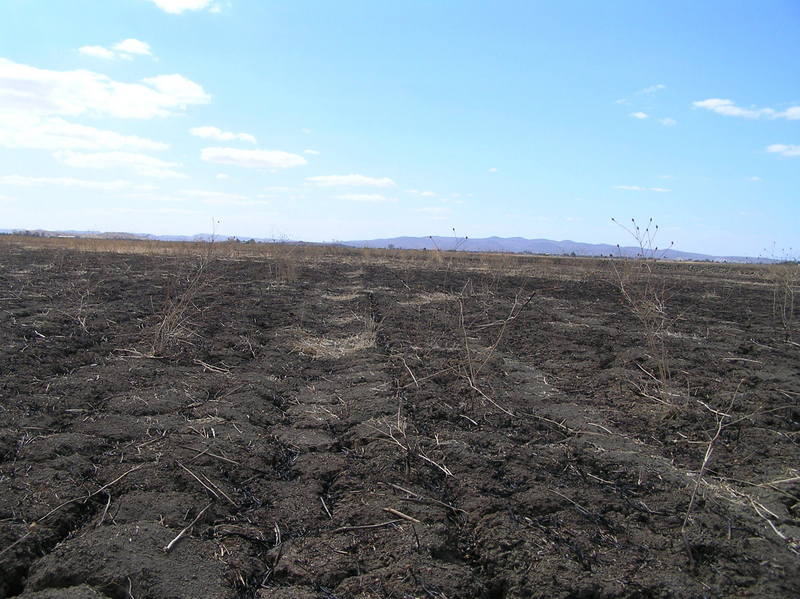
(516, 245)
(521, 245)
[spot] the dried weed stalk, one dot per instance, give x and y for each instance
(398, 431)
(785, 279)
(645, 293)
(173, 323)
(474, 361)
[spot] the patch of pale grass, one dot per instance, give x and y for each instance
(339, 321)
(341, 297)
(326, 347)
(427, 298)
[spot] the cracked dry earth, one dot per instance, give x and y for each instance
(376, 427)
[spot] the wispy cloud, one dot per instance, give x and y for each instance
(133, 46)
(269, 159)
(350, 181)
(639, 115)
(784, 150)
(221, 198)
(422, 193)
(97, 52)
(177, 7)
(668, 122)
(233, 202)
(728, 108)
(640, 188)
(126, 49)
(652, 89)
(42, 92)
(205, 194)
(54, 133)
(493, 169)
(130, 210)
(23, 181)
(142, 164)
(311, 152)
(754, 179)
(208, 132)
(367, 198)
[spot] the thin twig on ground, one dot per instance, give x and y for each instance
(168, 547)
(367, 526)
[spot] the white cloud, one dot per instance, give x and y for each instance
(728, 108)
(421, 193)
(311, 152)
(133, 46)
(493, 170)
(639, 188)
(370, 198)
(142, 164)
(784, 150)
(754, 179)
(793, 113)
(652, 89)
(232, 202)
(126, 49)
(205, 194)
(178, 89)
(34, 132)
(668, 122)
(128, 210)
(272, 159)
(27, 89)
(23, 181)
(280, 190)
(221, 198)
(153, 197)
(176, 7)
(639, 115)
(223, 176)
(209, 132)
(351, 181)
(97, 52)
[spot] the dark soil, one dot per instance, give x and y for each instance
(396, 425)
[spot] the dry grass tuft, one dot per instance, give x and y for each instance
(323, 347)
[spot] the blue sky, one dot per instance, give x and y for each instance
(323, 120)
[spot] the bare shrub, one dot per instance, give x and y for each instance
(645, 293)
(785, 278)
(173, 324)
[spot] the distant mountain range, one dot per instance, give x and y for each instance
(517, 245)
(521, 245)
